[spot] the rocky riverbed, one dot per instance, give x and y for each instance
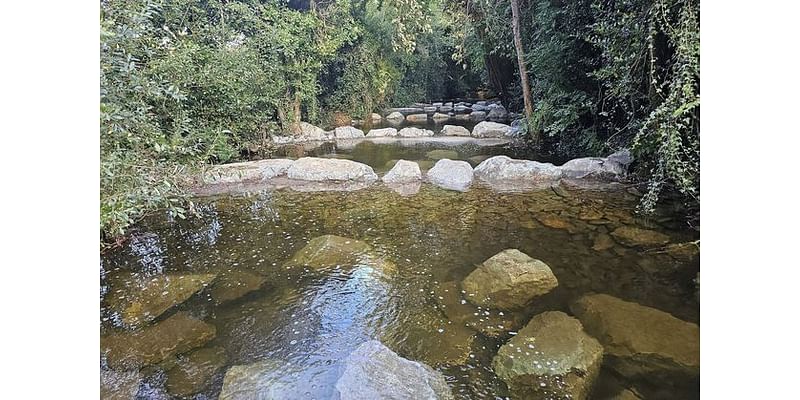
(555, 292)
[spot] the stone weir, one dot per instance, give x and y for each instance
(500, 173)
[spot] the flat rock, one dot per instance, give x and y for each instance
(505, 171)
(119, 385)
(440, 117)
(384, 132)
(417, 118)
(490, 129)
(455, 130)
(406, 110)
(373, 371)
(348, 132)
(452, 175)
(326, 169)
(508, 280)
(441, 153)
(250, 171)
(403, 172)
(194, 371)
(550, 358)
(640, 341)
(139, 298)
(153, 344)
(231, 285)
(637, 237)
(593, 167)
(410, 131)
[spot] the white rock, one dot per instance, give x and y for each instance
(403, 172)
(490, 129)
(449, 174)
(414, 132)
(455, 130)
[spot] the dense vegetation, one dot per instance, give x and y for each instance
(186, 83)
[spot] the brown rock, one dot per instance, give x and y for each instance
(602, 242)
(194, 371)
(636, 237)
(508, 280)
(232, 285)
(153, 344)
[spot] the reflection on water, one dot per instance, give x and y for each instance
(303, 322)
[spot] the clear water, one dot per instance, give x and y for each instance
(310, 321)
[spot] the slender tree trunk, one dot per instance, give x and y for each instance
(523, 70)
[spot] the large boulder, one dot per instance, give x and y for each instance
(452, 175)
(373, 371)
(478, 116)
(348, 132)
(490, 129)
(250, 171)
(508, 280)
(395, 116)
(550, 358)
(153, 344)
(641, 342)
(309, 132)
(417, 118)
(455, 130)
(403, 172)
(638, 237)
(506, 170)
(414, 132)
(382, 132)
(593, 167)
(326, 169)
(193, 372)
(497, 113)
(139, 298)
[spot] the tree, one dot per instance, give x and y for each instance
(523, 71)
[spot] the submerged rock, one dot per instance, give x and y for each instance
(441, 153)
(414, 132)
(119, 385)
(326, 169)
(602, 242)
(452, 175)
(153, 344)
(491, 323)
(232, 285)
(138, 298)
(431, 337)
(259, 380)
(348, 132)
(403, 172)
(331, 250)
(505, 171)
(373, 371)
(250, 171)
(455, 130)
(550, 358)
(194, 371)
(508, 280)
(382, 132)
(633, 237)
(642, 342)
(490, 129)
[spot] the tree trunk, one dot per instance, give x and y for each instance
(523, 70)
